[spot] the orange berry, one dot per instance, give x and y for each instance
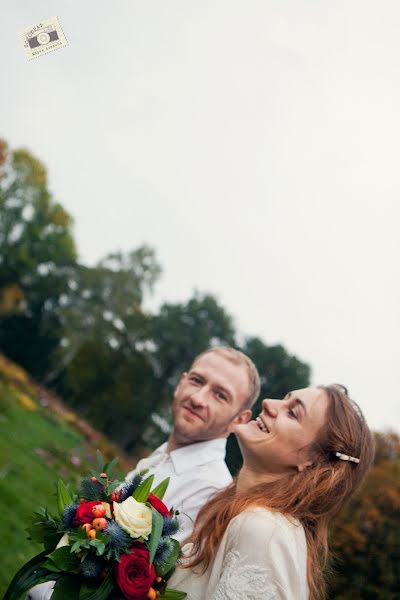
(158, 579)
(98, 511)
(93, 478)
(103, 475)
(152, 594)
(87, 527)
(99, 524)
(91, 534)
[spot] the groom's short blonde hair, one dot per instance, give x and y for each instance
(240, 359)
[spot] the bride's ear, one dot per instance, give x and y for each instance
(303, 466)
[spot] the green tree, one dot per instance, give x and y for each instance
(365, 539)
(35, 243)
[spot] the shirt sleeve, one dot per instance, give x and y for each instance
(259, 560)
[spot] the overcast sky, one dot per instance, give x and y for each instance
(254, 144)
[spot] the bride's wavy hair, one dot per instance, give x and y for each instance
(314, 496)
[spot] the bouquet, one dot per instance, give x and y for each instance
(111, 541)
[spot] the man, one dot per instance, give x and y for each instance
(217, 392)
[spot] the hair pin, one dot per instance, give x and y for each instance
(346, 457)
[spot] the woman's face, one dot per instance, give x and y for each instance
(280, 437)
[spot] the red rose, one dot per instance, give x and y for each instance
(158, 505)
(135, 574)
(84, 513)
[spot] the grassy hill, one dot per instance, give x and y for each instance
(40, 441)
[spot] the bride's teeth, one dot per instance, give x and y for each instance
(261, 425)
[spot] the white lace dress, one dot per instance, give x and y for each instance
(262, 555)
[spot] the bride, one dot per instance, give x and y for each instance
(265, 536)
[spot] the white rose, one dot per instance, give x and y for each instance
(134, 517)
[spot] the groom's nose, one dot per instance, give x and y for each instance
(199, 397)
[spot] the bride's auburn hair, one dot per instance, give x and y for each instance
(314, 496)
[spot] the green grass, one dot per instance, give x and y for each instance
(35, 450)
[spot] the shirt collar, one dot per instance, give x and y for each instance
(194, 455)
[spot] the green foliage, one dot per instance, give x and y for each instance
(156, 530)
(29, 575)
(62, 559)
(365, 539)
(44, 529)
(34, 450)
(161, 488)
(142, 492)
(63, 496)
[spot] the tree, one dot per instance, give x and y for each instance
(35, 242)
(365, 539)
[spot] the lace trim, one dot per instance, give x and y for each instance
(243, 581)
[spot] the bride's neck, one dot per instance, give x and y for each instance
(248, 477)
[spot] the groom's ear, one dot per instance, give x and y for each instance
(243, 417)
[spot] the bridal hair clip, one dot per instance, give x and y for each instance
(346, 457)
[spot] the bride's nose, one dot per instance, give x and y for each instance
(271, 406)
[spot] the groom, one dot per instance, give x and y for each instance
(217, 392)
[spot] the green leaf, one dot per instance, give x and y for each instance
(100, 479)
(29, 575)
(99, 546)
(100, 593)
(161, 488)
(63, 496)
(164, 568)
(171, 594)
(100, 461)
(157, 523)
(141, 493)
(66, 588)
(43, 528)
(109, 468)
(62, 560)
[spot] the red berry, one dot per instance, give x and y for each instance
(98, 511)
(99, 524)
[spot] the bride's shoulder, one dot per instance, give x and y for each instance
(258, 522)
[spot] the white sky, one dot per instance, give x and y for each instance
(254, 144)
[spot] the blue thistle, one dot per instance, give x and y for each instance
(129, 487)
(68, 515)
(170, 527)
(90, 567)
(119, 541)
(163, 551)
(90, 490)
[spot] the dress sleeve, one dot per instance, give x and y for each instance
(259, 560)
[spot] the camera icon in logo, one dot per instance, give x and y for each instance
(43, 37)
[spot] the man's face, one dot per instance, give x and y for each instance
(209, 399)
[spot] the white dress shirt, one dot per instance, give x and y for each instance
(196, 472)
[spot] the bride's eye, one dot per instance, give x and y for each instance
(291, 413)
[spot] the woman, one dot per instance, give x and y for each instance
(265, 536)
